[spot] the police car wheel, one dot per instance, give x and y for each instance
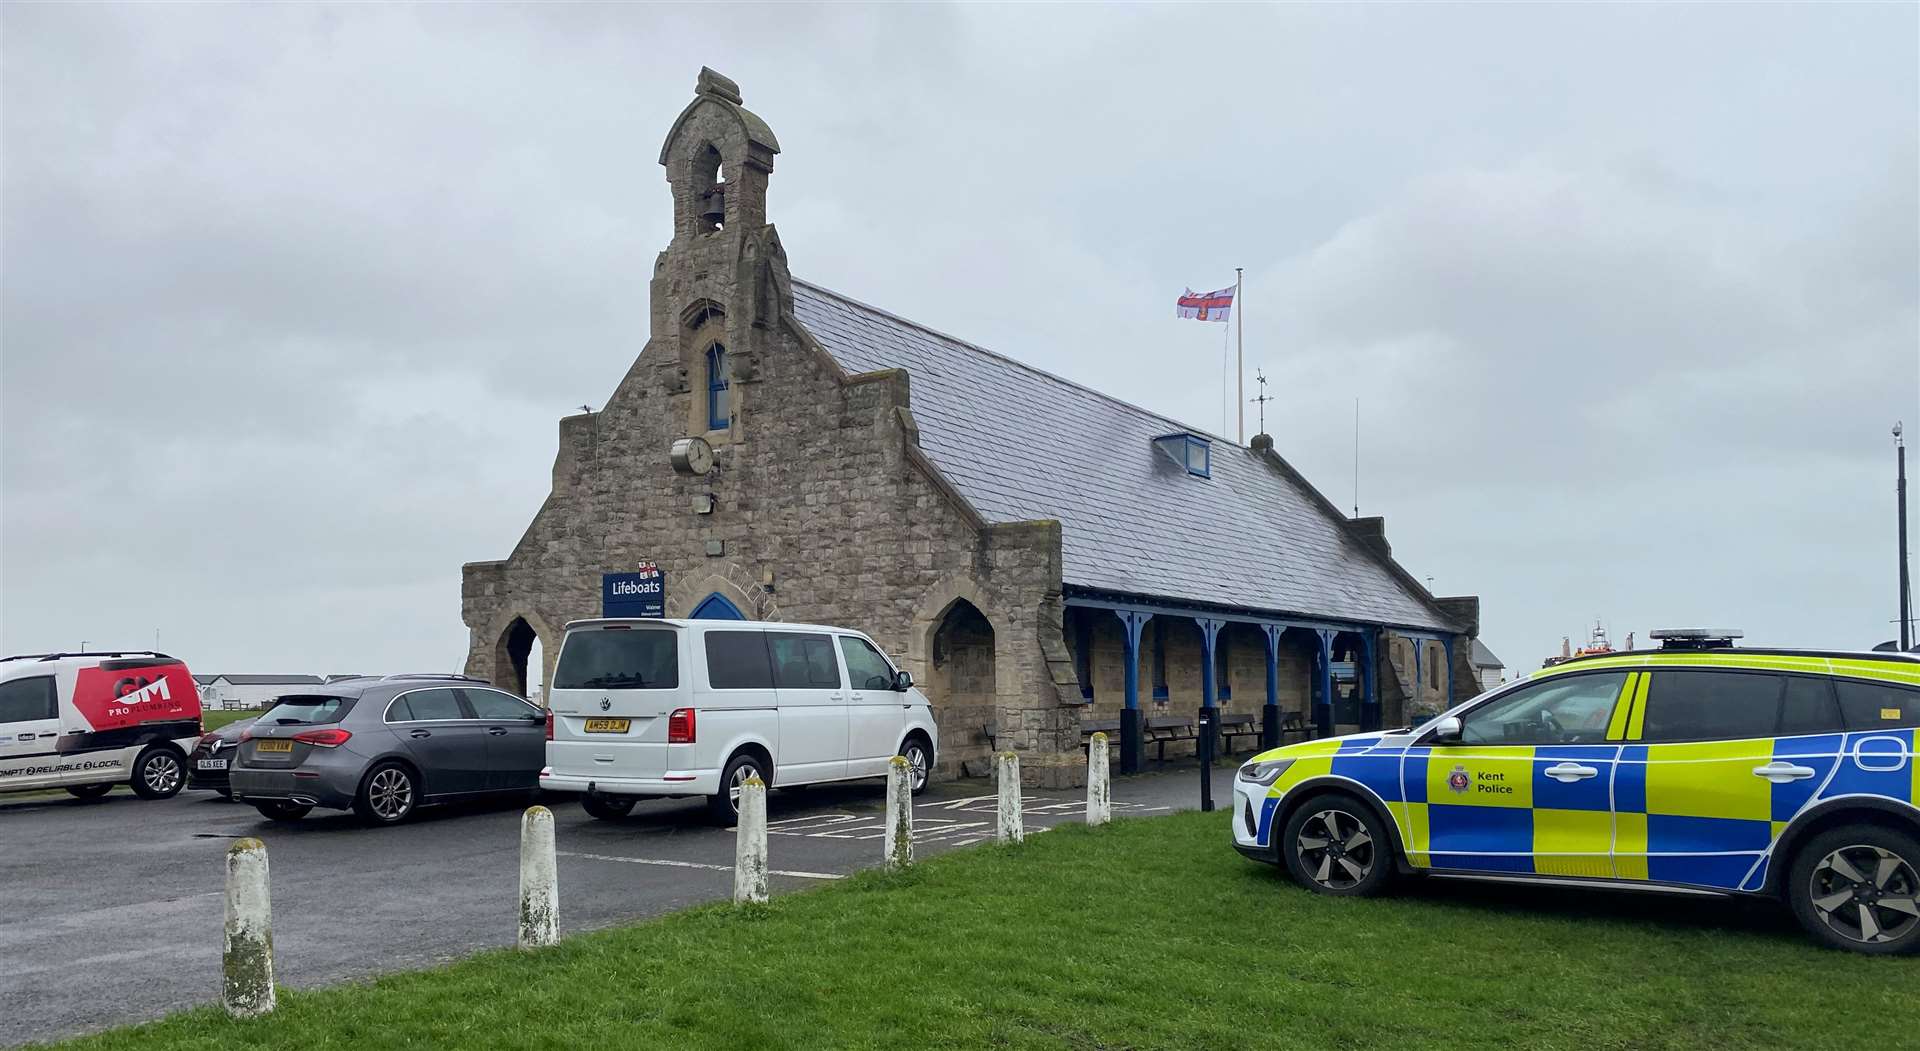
(1333, 844)
(158, 773)
(1858, 888)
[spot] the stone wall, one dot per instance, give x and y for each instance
(823, 508)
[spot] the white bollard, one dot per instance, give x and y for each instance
(539, 880)
(750, 848)
(1007, 770)
(899, 813)
(248, 989)
(1099, 785)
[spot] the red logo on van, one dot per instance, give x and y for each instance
(111, 698)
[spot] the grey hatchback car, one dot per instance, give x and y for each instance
(382, 747)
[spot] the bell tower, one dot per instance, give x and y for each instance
(721, 286)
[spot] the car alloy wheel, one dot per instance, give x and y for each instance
(1865, 894)
(916, 755)
(161, 773)
(1335, 850)
(390, 794)
(740, 775)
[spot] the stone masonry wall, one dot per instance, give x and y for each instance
(823, 509)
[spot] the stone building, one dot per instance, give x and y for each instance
(1015, 540)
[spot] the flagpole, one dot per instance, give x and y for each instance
(1240, 353)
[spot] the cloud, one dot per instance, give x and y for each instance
(291, 297)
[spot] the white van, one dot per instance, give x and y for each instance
(88, 721)
(695, 707)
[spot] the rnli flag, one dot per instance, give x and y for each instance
(1206, 306)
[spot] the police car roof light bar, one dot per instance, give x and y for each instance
(1696, 638)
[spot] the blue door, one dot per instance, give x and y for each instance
(716, 607)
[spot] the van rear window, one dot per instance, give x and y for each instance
(629, 659)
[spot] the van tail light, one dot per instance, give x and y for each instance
(332, 737)
(549, 724)
(680, 726)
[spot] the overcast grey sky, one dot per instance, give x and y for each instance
(293, 296)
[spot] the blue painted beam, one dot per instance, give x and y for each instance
(1270, 713)
(1132, 748)
(1323, 704)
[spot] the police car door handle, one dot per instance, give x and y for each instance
(1567, 773)
(1781, 773)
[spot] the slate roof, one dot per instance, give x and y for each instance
(1483, 657)
(1132, 520)
(272, 680)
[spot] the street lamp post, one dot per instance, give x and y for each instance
(1900, 499)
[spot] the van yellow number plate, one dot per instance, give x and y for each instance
(606, 726)
(273, 746)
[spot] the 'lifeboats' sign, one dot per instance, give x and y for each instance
(642, 593)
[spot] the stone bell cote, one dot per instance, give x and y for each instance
(718, 157)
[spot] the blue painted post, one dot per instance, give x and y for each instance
(1418, 682)
(1209, 728)
(1323, 703)
(1131, 747)
(1270, 714)
(1370, 697)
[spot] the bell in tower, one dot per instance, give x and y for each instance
(713, 207)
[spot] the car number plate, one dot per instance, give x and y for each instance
(210, 764)
(273, 746)
(606, 726)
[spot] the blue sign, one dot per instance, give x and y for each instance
(639, 594)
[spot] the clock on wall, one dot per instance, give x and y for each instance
(691, 455)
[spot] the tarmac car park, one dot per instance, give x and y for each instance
(86, 722)
(1696, 768)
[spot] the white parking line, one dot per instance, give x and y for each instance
(692, 865)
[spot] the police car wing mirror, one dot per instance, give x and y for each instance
(1446, 731)
(903, 680)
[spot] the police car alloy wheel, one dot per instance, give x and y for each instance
(1334, 845)
(1858, 888)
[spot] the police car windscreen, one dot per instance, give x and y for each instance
(619, 659)
(307, 711)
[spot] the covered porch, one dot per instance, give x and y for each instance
(1149, 662)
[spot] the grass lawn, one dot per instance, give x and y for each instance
(215, 718)
(1149, 934)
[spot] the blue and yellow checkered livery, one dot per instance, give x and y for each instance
(1698, 813)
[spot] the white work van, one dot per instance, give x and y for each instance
(88, 721)
(647, 707)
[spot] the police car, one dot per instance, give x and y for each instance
(88, 721)
(1697, 768)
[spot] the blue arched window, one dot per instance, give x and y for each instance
(717, 409)
(716, 607)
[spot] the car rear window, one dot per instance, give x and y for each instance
(306, 711)
(1878, 706)
(619, 659)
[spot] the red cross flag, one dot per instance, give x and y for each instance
(1206, 306)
